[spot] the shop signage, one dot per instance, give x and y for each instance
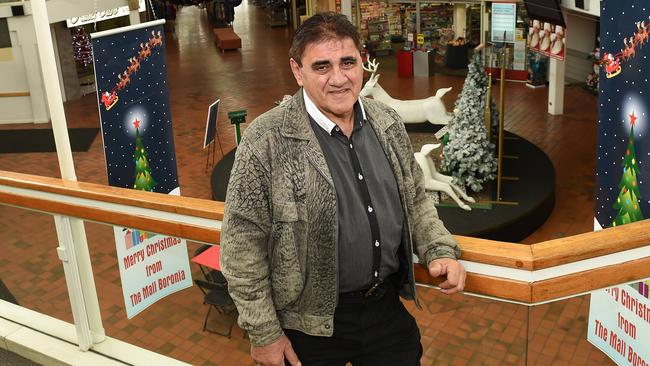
(504, 17)
(135, 116)
(103, 15)
(420, 39)
(619, 317)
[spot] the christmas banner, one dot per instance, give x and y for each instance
(133, 98)
(619, 319)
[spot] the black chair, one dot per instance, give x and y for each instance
(210, 274)
(217, 297)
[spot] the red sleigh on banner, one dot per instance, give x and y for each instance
(109, 99)
(612, 65)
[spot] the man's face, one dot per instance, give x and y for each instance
(331, 73)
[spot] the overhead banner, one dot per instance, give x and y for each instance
(135, 116)
(619, 318)
(547, 39)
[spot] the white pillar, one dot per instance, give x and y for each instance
(27, 42)
(66, 165)
(460, 20)
(556, 87)
(346, 8)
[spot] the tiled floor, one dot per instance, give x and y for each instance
(456, 330)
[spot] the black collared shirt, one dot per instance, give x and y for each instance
(370, 216)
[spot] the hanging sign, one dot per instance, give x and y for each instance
(619, 324)
(135, 116)
(547, 38)
(504, 18)
(619, 318)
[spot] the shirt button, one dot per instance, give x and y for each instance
(376, 243)
(327, 326)
(337, 129)
(376, 274)
(369, 208)
(360, 176)
(350, 146)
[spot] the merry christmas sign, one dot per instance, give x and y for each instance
(133, 98)
(619, 319)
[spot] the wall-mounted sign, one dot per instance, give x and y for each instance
(504, 17)
(103, 15)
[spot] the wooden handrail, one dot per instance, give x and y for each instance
(528, 274)
(14, 94)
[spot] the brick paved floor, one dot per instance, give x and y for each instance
(456, 330)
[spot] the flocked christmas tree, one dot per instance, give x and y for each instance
(81, 47)
(143, 179)
(469, 155)
(627, 202)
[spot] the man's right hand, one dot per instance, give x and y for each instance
(274, 354)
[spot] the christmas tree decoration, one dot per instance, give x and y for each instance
(142, 177)
(83, 52)
(627, 203)
(469, 155)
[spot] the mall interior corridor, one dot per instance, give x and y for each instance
(456, 330)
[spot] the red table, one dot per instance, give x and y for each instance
(209, 258)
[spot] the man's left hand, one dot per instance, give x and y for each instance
(454, 271)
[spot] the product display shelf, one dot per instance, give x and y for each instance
(436, 22)
(369, 11)
(379, 37)
(474, 24)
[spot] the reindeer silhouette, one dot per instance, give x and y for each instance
(135, 65)
(641, 35)
(145, 51)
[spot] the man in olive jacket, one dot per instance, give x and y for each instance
(325, 206)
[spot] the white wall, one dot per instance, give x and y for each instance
(581, 32)
(23, 73)
(593, 6)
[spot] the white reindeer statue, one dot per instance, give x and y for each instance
(434, 181)
(431, 109)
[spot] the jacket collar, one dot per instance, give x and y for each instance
(296, 119)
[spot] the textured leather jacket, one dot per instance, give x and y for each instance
(280, 229)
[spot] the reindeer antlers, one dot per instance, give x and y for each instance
(372, 66)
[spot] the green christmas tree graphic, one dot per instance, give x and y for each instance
(143, 179)
(627, 202)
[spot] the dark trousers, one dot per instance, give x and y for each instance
(367, 331)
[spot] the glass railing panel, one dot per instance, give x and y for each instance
(30, 270)
(558, 334)
(468, 330)
(173, 326)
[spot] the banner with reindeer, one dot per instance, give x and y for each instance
(135, 118)
(619, 317)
